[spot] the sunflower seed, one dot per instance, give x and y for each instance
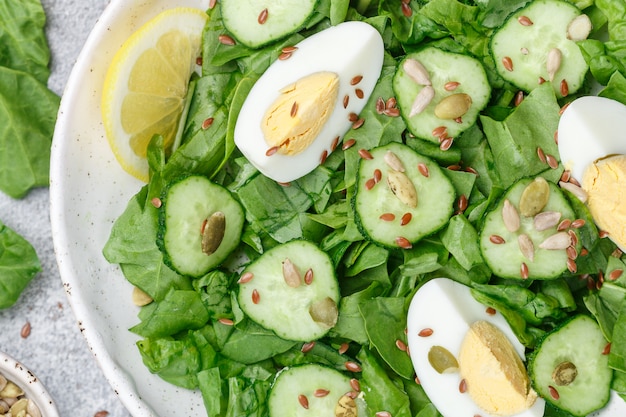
(510, 217)
(526, 246)
(422, 100)
(416, 71)
(574, 189)
(291, 274)
(393, 161)
(546, 220)
(558, 241)
(553, 62)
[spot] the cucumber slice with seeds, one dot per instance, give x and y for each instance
(536, 248)
(401, 196)
(200, 224)
(256, 23)
(310, 390)
(534, 46)
(569, 368)
(292, 290)
(458, 85)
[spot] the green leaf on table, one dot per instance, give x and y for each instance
(18, 265)
(23, 43)
(28, 112)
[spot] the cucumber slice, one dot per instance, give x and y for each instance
(535, 38)
(292, 290)
(442, 71)
(200, 224)
(256, 23)
(568, 367)
(308, 390)
(421, 205)
(539, 207)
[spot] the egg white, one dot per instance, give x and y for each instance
(590, 128)
(349, 49)
(449, 309)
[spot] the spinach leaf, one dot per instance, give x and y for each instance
(23, 43)
(18, 265)
(27, 116)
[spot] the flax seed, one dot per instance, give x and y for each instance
(333, 145)
(380, 105)
(308, 276)
(463, 386)
(346, 101)
(156, 202)
(377, 175)
(425, 332)
(507, 62)
(271, 151)
(255, 296)
(406, 219)
(564, 225)
(304, 401)
(572, 253)
(451, 85)
(440, 132)
(365, 154)
(566, 175)
(370, 183)
(423, 169)
(525, 21)
(446, 144)
(212, 4)
(323, 156)
(307, 347)
(578, 223)
(284, 56)
(462, 203)
(25, 331)
(321, 392)
(552, 161)
(358, 123)
(263, 16)
(401, 345)
(615, 274)
(245, 278)
(564, 88)
(491, 311)
(392, 112)
(497, 240)
(519, 97)
(359, 93)
(348, 144)
(387, 217)
(199, 61)
(355, 384)
(294, 109)
(343, 348)
(352, 366)
(383, 413)
(225, 321)
(406, 10)
(553, 392)
(563, 108)
(226, 40)
(607, 349)
(541, 80)
(523, 271)
(391, 103)
(356, 79)
(206, 123)
(571, 266)
(403, 242)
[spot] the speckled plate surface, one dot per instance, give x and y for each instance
(88, 191)
(33, 388)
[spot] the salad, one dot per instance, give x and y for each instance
(254, 350)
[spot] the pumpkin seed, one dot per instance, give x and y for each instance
(453, 106)
(213, 232)
(402, 187)
(534, 197)
(324, 312)
(442, 360)
(140, 298)
(346, 407)
(565, 373)
(579, 28)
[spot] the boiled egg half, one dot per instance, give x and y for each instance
(592, 146)
(466, 357)
(300, 108)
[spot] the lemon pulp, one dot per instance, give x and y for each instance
(146, 85)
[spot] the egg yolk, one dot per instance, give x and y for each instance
(604, 183)
(493, 371)
(297, 116)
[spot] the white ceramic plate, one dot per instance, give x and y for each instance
(88, 191)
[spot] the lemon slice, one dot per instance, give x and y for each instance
(146, 83)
